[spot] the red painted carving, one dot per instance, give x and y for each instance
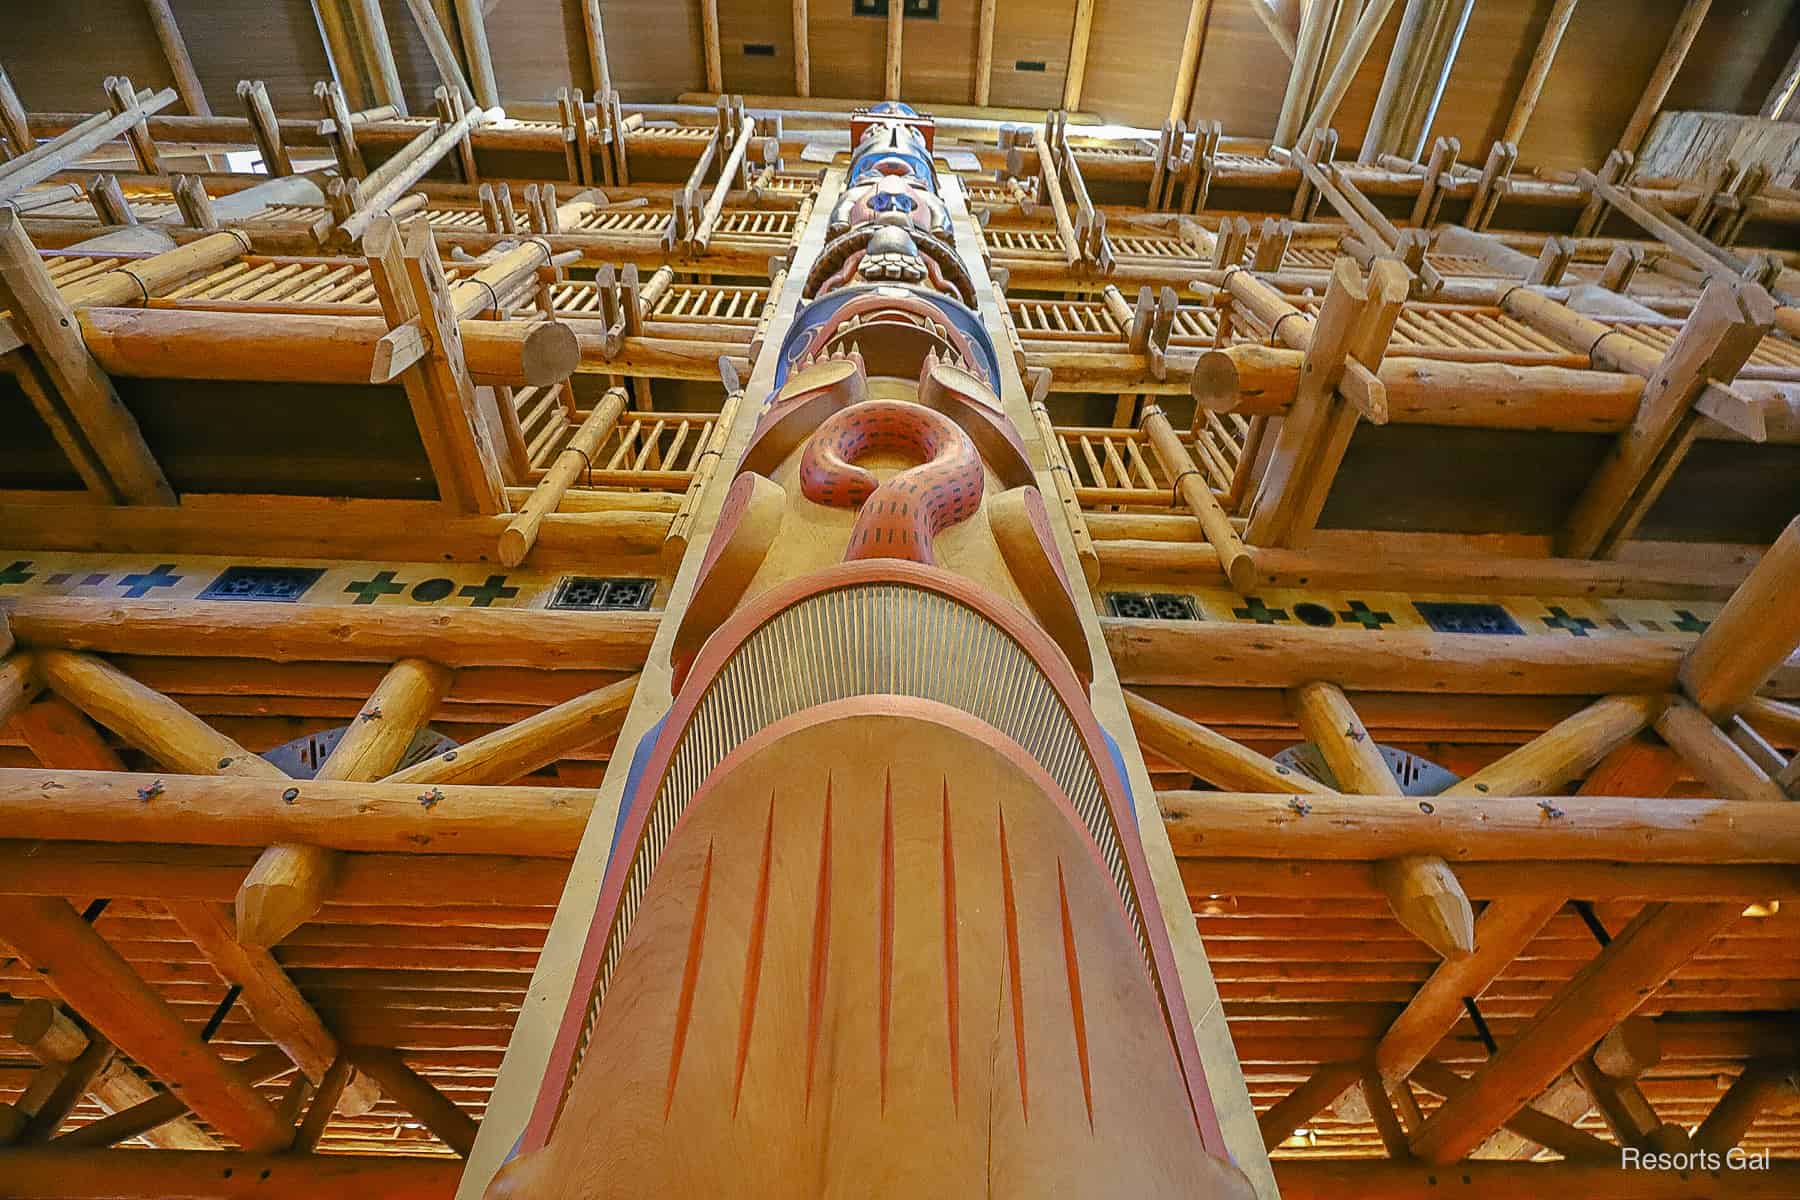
(900, 517)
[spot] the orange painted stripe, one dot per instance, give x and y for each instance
(951, 985)
(1013, 976)
(753, 957)
(887, 928)
(1077, 1014)
(821, 940)
(690, 977)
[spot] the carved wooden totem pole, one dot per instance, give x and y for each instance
(877, 920)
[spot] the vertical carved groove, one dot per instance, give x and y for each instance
(951, 983)
(753, 956)
(690, 977)
(1014, 978)
(1077, 1014)
(815, 990)
(887, 927)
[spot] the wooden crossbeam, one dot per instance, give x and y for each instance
(1681, 40)
(416, 1095)
(1604, 992)
(55, 1040)
(292, 880)
(95, 981)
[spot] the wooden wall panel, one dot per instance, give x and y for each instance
(1132, 59)
(539, 46)
(276, 41)
(1036, 31)
(771, 24)
(1243, 73)
(848, 52)
(57, 53)
(652, 47)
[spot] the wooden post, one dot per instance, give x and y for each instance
(324, 1104)
(1211, 756)
(472, 24)
(1756, 1086)
(14, 124)
(1781, 95)
(369, 30)
(443, 54)
(1687, 27)
(74, 396)
(1306, 1101)
(410, 282)
(802, 50)
(1720, 763)
(1405, 70)
(168, 35)
(265, 126)
(984, 51)
(95, 981)
(123, 98)
(1538, 72)
(1362, 37)
(709, 38)
(1189, 63)
(896, 29)
(1421, 888)
(290, 882)
(347, 69)
(1078, 54)
(599, 69)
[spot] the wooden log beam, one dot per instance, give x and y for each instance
(1306, 1101)
(1197, 654)
(286, 632)
(175, 52)
(1309, 1178)
(1757, 1087)
(72, 392)
(803, 50)
(1755, 633)
(95, 981)
(1309, 53)
(471, 23)
(1721, 763)
(53, 1174)
(1529, 1124)
(1193, 37)
(166, 343)
(984, 51)
(292, 880)
(1191, 486)
(1211, 756)
(1657, 942)
(53, 1039)
(1421, 889)
(1564, 752)
(1079, 38)
(368, 29)
(709, 41)
(443, 54)
(19, 685)
(896, 33)
(1681, 39)
(1615, 828)
(417, 1096)
(236, 810)
(517, 750)
(1343, 71)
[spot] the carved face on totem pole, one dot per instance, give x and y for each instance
(877, 921)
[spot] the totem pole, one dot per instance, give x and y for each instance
(877, 920)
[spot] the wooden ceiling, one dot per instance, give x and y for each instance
(54, 51)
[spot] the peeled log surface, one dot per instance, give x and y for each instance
(1329, 1179)
(1201, 654)
(1462, 829)
(290, 632)
(164, 343)
(1758, 628)
(226, 810)
(48, 1174)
